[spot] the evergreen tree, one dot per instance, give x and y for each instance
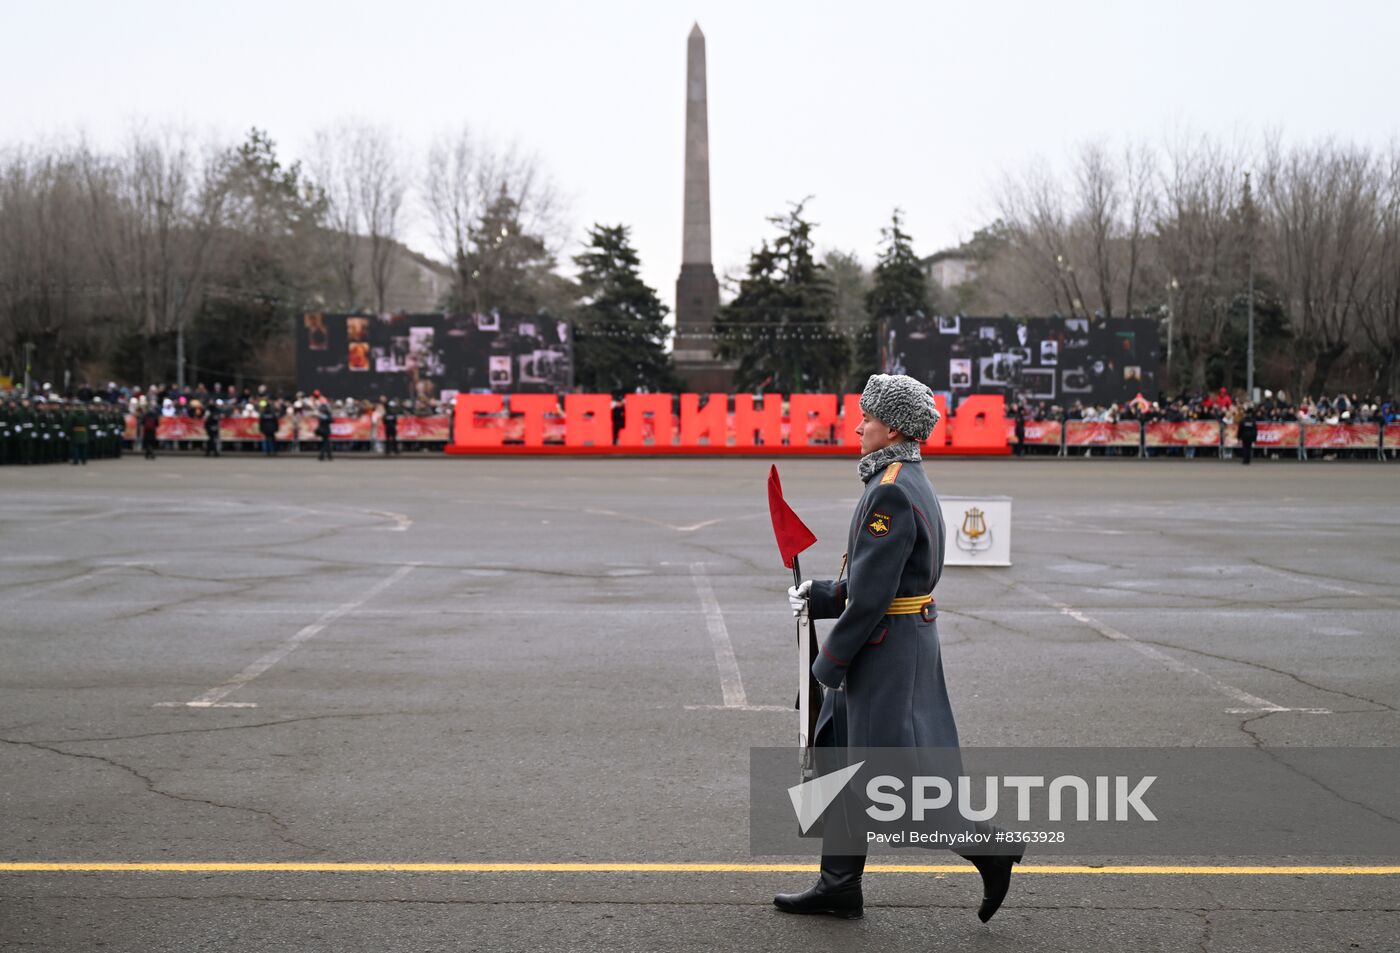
(897, 301)
(1228, 364)
(507, 267)
(851, 283)
(266, 275)
(780, 327)
(619, 328)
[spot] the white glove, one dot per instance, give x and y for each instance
(797, 597)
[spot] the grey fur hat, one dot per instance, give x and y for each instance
(900, 402)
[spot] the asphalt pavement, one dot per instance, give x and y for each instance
(561, 665)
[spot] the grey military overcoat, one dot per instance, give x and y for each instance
(891, 665)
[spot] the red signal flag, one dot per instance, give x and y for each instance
(793, 535)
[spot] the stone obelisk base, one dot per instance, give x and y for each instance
(697, 303)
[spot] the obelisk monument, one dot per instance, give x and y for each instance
(697, 290)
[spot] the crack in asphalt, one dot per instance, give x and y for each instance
(1273, 755)
(1321, 575)
(281, 830)
(190, 731)
(1212, 602)
(1204, 943)
(242, 584)
(1380, 705)
(239, 589)
(84, 571)
(728, 556)
(963, 613)
(1080, 559)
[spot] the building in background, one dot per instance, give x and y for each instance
(949, 268)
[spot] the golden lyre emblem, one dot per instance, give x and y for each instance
(974, 523)
(974, 535)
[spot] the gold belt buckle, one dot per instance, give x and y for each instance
(924, 611)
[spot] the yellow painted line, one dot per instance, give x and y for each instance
(682, 868)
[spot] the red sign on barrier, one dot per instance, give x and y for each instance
(1184, 433)
(536, 420)
(435, 429)
(1342, 436)
(1089, 433)
(180, 428)
(1270, 434)
(345, 428)
(246, 428)
(1039, 433)
(361, 429)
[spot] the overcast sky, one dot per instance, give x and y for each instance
(864, 106)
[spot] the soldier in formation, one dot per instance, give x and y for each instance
(39, 430)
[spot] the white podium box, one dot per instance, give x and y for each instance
(978, 530)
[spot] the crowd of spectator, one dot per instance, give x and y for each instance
(212, 405)
(1221, 405)
(198, 401)
(45, 411)
(169, 400)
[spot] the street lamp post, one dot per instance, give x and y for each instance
(1249, 352)
(28, 363)
(1172, 287)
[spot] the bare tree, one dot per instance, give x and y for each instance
(1078, 248)
(47, 279)
(1198, 241)
(333, 172)
(468, 181)
(1321, 230)
(1378, 306)
(1038, 269)
(1140, 184)
(360, 171)
(379, 173)
(155, 212)
(1100, 197)
(453, 198)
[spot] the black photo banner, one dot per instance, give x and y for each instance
(1055, 360)
(404, 356)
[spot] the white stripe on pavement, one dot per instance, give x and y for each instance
(1253, 703)
(730, 683)
(212, 697)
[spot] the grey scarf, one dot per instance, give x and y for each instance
(875, 461)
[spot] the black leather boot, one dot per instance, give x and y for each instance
(836, 892)
(996, 880)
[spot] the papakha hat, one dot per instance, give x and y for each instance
(901, 402)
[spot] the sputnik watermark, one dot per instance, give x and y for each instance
(1164, 801)
(1113, 799)
(885, 790)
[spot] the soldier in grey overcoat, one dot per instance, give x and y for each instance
(881, 663)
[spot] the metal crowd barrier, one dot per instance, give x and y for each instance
(1125, 438)
(1146, 439)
